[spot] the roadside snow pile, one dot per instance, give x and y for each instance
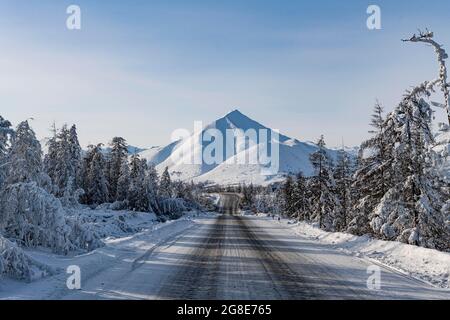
(429, 265)
(108, 223)
(18, 265)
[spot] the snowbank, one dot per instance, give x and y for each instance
(112, 226)
(106, 222)
(116, 254)
(427, 265)
(15, 263)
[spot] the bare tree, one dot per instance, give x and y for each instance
(427, 37)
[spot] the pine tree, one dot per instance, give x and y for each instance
(265, 200)
(51, 158)
(75, 157)
(117, 155)
(63, 163)
(300, 196)
(248, 199)
(25, 157)
(137, 195)
(29, 214)
(343, 176)
(63, 176)
(165, 185)
(288, 197)
(95, 184)
(151, 186)
(410, 211)
(373, 177)
(324, 202)
(123, 183)
(6, 132)
(5, 135)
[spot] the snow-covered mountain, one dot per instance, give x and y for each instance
(234, 169)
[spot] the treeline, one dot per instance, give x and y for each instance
(37, 191)
(393, 190)
(110, 175)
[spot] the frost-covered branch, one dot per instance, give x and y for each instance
(427, 37)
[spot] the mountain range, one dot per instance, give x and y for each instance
(234, 167)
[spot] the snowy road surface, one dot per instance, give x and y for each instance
(228, 257)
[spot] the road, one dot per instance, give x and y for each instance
(243, 257)
(229, 203)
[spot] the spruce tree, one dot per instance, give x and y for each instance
(123, 183)
(25, 157)
(95, 183)
(151, 186)
(117, 155)
(288, 197)
(165, 185)
(137, 195)
(75, 157)
(373, 176)
(410, 211)
(343, 176)
(6, 132)
(300, 196)
(63, 163)
(324, 202)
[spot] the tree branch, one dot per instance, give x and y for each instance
(427, 37)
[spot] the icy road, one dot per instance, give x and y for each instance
(220, 257)
(231, 257)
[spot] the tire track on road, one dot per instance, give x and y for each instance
(196, 278)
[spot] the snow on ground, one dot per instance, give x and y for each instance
(109, 223)
(125, 234)
(428, 265)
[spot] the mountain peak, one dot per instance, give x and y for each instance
(236, 119)
(235, 112)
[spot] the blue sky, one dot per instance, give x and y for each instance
(141, 69)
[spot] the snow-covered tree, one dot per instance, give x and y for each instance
(300, 195)
(267, 201)
(117, 155)
(442, 56)
(75, 158)
(32, 217)
(343, 173)
(324, 202)
(95, 184)
(289, 201)
(165, 184)
(373, 176)
(63, 163)
(6, 133)
(25, 158)
(248, 196)
(51, 158)
(151, 189)
(137, 195)
(123, 183)
(410, 211)
(15, 263)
